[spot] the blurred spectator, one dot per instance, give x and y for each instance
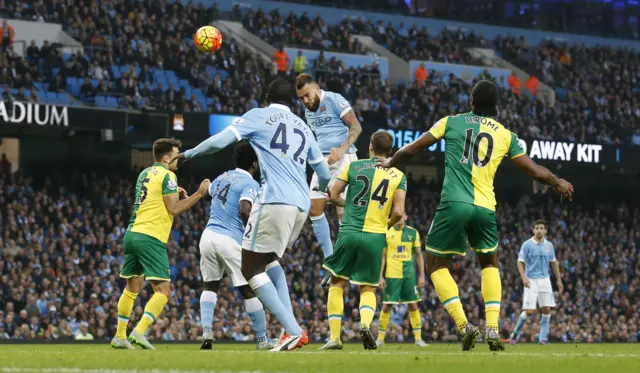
(514, 83)
(83, 334)
(7, 34)
(421, 74)
(299, 63)
(281, 59)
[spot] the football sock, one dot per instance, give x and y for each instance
(521, 320)
(256, 312)
(279, 279)
(266, 291)
(544, 328)
(152, 310)
(335, 308)
(492, 293)
(208, 301)
(367, 308)
(125, 306)
(449, 297)
(383, 323)
(416, 324)
(323, 234)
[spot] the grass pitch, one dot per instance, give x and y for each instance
(391, 358)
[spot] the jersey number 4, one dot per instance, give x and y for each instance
(279, 141)
(222, 194)
(472, 145)
(380, 194)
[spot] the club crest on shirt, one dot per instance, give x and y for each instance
(323, 108)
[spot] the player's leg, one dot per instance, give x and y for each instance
(416, 324)
(366, 273)
(279, 279)
(546, 301)
(482, 233)
(212, 271)
(411, 296)
(254, 308)
(132, 271)
(318, 219)
(383, 322)
(545, 323)
(335, 311)
(155, 264)
(529, 304)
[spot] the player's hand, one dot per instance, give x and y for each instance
(179, 157)
(336, 155)
(565, 189)
(421, 282)
(560, 287)
(182, 193)
(203, 190)
(526, 282)
(382, 284)
(384, 163)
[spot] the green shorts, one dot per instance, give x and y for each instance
(145, 256)
(401, 290)
(357, 257)
(456, 223)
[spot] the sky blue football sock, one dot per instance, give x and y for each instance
(279, 279)
(256, 312)
(208, 301)
(544, 328)
(323, 234)
(521, 320)
(266, 291)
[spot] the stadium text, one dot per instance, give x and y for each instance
(29, 113)
(536, 149)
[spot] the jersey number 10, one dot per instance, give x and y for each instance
(473, 146)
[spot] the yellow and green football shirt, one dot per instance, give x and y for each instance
(150, 215)
(475, 147)
(401, 244)
(370, 195)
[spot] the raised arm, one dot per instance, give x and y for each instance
(543, 175)
(427, 139)
(355, 129)
(320, 166)
(214, 143)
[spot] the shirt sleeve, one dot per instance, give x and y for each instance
(403, 183)
(515, 150)
(341, 105)
(522, 254)
(417, 244)
(249, 192)
(244, 127)
(552, 253)
(344, 175)
(439, 128)
(169, 184)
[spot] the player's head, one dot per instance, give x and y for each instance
(484, 99)
(246, 158)
(402, 222)
(381, 144)
(308, 91)
(540, 229)
(164, 150)
(280, 92)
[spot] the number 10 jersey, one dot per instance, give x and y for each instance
(475, 146)
(370, 195)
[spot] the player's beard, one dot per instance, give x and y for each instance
(316, 103)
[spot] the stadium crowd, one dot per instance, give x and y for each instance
(61, 250)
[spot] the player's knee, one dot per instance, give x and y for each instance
(412, 306)
(134, 284)
(211, 286)
(317, 207)
(387, 308)
(162, 287)
(546, 310)
(488, 260)
(338, 282)
(367, 289)
(530, 312)
(246, 292)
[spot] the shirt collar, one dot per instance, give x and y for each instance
(322, 92)
(238, 169)
(533, 238)
(281, 107)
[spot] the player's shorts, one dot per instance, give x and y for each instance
(273, 228)
(455, 223)
(401, 290)
(357, 257)
(540, 293)
(145, 256)
(220, 253)
(335, 169)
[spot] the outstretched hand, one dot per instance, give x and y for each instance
(565, 189)
(384, 163)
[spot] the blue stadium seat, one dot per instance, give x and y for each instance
(117, 74)
(64, 98)
(183, 83)
(95, 82)
(101, 101)
(112, 102)
(51, 96)
(66, 57)
(55, 71)
(39, 86)
(74, 89)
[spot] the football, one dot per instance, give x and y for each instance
(208, 39)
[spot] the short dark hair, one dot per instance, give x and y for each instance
(382, 142)
(541, 222)
(280, 91)
(162, 147)
(245, 156)
(484, 97)
(304, 79)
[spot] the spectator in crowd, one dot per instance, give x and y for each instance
(83, 334)
(299, 63)
(514, 83)
(7, 35)
(420, 75)
(281, 59)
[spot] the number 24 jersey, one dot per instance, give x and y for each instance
(370, 195)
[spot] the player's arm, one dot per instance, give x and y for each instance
(245, 211)
(556, 270)
(427, 139)
(537, 172)
(248, 195)
(397, 211)
(170, 195)
(383, 269)
(213, 144)
(320, 166)
(521, 268)
(417, 248)
(350, 120)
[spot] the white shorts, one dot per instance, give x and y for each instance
(539, 293)
(219, 254)
(273, 228)
(335, 169)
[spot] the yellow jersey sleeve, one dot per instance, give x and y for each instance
(344, 175)
(417, 244)
(169, 184)
(439, 128)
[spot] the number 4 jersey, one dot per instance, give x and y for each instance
(227, 190)
(370, 195)
(475, 147)
(150, 215)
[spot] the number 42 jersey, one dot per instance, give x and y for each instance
(475, 147)
(370, 195)
(227, 190)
